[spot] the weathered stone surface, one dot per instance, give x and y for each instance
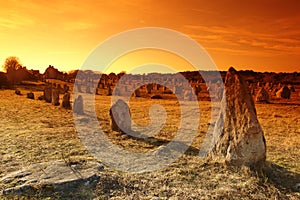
(55, 97)
(120, 117)
(262, 96)
(284, 92)
(48, 93)
(52, 177)
(238, 137)
(66, 101)
(78, 106)
(30, 95)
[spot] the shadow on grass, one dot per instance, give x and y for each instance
(156, 142)
(281, 178)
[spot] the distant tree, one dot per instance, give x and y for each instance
(11, 66)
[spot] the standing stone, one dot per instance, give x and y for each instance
(109, 91)
(120, 117)
(48, 93)
(78, 87)
(78, 106)
(238, 137)
(30, 95)
(88, 89)
(262, 96)
(149, 88)
(117, 91)
(55, 97)
(284, 92)
(60, 89)
(158, 87)
(66, 101)
(137, 93)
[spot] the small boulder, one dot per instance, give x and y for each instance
(17, 92)
(41, 97)
(30, 95)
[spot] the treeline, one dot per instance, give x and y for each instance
(249, 75)
(16, 73)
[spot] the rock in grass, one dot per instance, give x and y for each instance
(137, 93)
(55, 97)
(238, 137)
(30, 95)
(60, 177)
(17, 92)
(66, 101)
(78, 106)
(48, 93)
(120, 117)
(41, 97)
(284, 92)
(262, 96)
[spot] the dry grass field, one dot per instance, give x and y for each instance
(32, 131)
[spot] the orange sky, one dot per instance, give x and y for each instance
(250, 34)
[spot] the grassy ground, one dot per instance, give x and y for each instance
(33, 131)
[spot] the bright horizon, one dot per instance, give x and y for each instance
(249, 35)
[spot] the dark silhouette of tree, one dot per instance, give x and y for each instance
(11, 66)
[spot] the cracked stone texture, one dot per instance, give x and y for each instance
(50, 177)
(238, 137)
